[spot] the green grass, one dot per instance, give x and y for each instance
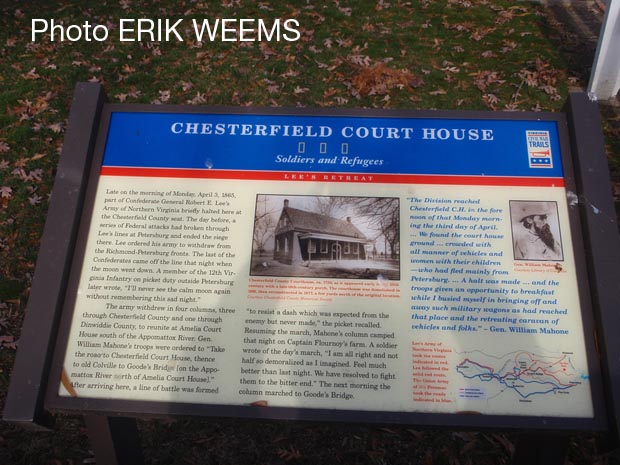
(498, 55)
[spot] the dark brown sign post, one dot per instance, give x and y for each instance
(410, 267)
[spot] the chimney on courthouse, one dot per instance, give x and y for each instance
(285, 203)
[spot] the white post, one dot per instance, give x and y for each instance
(605, 78)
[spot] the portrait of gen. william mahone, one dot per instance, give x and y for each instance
(536, 230)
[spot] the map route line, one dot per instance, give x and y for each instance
(502, 380)
(524, 372)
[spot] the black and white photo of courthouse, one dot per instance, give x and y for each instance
(303, 236)
(326, 236)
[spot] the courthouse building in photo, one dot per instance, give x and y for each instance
(303, 236)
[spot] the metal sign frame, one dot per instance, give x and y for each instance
(33, 391)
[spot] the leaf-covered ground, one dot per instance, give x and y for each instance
(444, 54)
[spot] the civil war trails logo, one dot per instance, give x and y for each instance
(539, 149)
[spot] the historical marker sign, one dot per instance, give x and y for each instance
(395, 263)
